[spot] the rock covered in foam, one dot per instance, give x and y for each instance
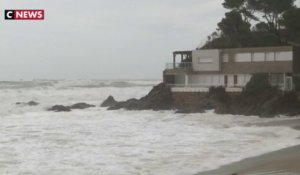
(30, 103)
(62, 108)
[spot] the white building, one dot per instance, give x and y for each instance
(232, 68)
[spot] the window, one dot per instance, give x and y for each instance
(241, 80)
(259, 57)
(284, 56)
(204, 60)
(235, 79)
(216, 80)
(243, 57)
(270, 56)
(226, 80)
(225, 58)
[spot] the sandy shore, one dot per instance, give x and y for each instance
(283, 162)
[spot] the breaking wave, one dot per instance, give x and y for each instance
(97, 141)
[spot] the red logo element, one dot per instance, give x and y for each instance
(24, 14)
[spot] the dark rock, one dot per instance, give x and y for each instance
(267, 104)
(30, 103)
(130, 104)
(81, 106)
(60, 108)
(110, 101)
(159, 98)
(270, 103)
(189, 110)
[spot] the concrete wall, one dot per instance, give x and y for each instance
(180, 79)
(190, 99)
(263, 60)
(247, 60)
(206, 60)
(257, 67)
(186, 99)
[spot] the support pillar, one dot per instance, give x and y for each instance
(186, 80)
(174, 61)
(284, 82)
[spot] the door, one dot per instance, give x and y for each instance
(230, 81)
(226, 80)
(288, 83)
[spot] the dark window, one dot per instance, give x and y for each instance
(235, 80)
(225, 80)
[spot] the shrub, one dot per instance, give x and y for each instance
(258, 84)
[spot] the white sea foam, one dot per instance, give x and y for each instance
(97, 141)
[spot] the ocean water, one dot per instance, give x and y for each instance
(96, 141)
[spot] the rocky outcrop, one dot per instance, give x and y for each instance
(81, 106)
(30, 103)
(62, 108)
(269, 103)
(159, 98)
(110, 101)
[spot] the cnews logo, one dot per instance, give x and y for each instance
(24, 14)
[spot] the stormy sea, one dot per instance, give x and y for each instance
(95, 141)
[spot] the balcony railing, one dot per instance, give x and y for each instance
(183, 66)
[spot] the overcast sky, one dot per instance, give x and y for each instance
(102, 39)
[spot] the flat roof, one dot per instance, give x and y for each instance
(183, 52)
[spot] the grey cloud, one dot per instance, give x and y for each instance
(102, 39)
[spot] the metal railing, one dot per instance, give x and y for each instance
(184, 65)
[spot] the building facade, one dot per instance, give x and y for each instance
(232, 68)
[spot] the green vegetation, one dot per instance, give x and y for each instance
(258, 84)
(257, 23)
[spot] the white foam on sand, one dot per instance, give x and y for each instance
(97, 141)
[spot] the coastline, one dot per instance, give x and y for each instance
(285, 162)
(282, 162)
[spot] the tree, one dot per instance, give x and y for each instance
(234, 4)
(258, 84)
(261, 27)
(272, 10)
(241, 6)
(277, 24)
(291, 24)
(234, 27)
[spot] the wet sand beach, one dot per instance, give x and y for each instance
(282, 162)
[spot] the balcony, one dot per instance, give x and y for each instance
(179, 66)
